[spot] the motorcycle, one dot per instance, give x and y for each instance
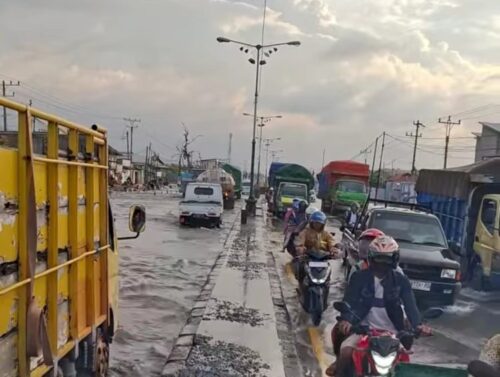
(315, 284)
(378, 352)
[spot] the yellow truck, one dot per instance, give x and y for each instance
(58, 248)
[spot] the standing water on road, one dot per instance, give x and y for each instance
(161, 273)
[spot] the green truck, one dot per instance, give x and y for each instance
(289, 181)
(236, 173)
(342, 183)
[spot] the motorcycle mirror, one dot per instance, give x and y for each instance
(432, 313)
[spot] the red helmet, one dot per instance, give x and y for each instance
(371, 233)
(384, 249)
(365, 239)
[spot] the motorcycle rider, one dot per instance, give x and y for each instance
(351, 216)
(313, 237)
(376, 296)
(295, 226)
(290, 214)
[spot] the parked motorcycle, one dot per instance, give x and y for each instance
(379, 352)
(315, 284)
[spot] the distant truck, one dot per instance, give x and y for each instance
(467, 201)
(236, 173)
(223, 178)
(289, 181)
(342, 183)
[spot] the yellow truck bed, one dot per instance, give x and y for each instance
(56, 262)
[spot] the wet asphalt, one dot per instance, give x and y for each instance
(162, 272)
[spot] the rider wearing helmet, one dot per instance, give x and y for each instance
(351, 216)
(377, 296)
(314, 236)
(291, 214)
(297, 223)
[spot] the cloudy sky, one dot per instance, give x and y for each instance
(364, 66)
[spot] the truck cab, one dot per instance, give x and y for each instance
(348, 191)
(287, 191)
(487, 236)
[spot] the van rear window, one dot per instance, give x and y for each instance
(203, 191)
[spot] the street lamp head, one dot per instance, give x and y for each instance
(223, 40)
(294, 43)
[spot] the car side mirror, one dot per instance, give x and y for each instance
(136, 221)
(137, 218)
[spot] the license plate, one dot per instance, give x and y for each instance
(198, 216)
(421, 285)
(318, 264)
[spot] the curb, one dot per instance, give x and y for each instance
(184, 343)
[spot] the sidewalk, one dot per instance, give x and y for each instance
(233, 330)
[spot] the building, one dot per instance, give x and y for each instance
(487, 142)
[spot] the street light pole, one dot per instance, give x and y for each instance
(268, 144)
(262, 122)
(258, 62)
(251, 199)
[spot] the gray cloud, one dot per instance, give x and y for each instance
(363, 67)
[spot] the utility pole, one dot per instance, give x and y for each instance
(132, 123)
(380, 164)
(5, 85)
(323, 161)
(365, 152)
(229, 148)
(417, 125)
(372, 168)
(449, 126)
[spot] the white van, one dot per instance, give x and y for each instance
(202, 204)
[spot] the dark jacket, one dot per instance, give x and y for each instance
(360, 295)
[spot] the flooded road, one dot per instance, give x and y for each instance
(161, 274)
(458, 334)
(163, 271)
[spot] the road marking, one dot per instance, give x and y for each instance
(317, 347)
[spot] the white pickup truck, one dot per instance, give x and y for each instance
(202, 204)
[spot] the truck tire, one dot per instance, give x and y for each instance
(94, 360)
(479, 281)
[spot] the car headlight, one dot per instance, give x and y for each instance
(383, 363)
(448, 273)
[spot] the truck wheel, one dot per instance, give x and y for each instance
(94, 357)
(480, 282)
(102, 356)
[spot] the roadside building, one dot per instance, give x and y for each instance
(487, 142)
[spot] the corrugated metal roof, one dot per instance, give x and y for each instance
(494, 126)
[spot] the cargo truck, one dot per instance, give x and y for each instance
(289, 181)
(223, 178)
(236, 173)
(342, 183)
(58, 248)
(467, 202)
